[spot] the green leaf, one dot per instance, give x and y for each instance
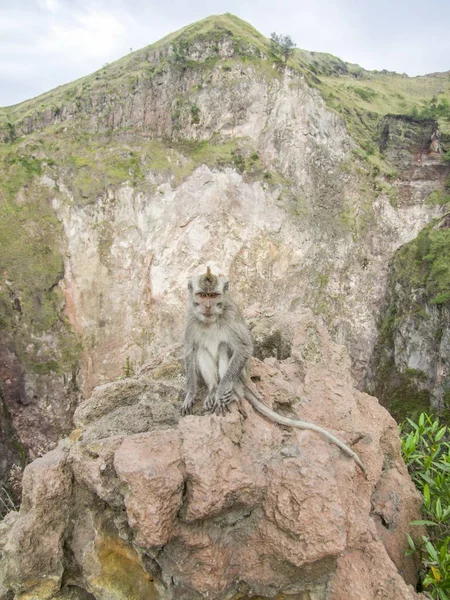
(410, 542)
(438, 509)
(413, 425)
(443, 553)
(426, 495)
(427, 478)
(423, 522)
(440, 433)
(431, 550)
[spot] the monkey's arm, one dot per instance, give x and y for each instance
(191, 377)
(242, 350)
(276, 418)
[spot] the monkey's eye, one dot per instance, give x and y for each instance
(213, 295)
(203, 295)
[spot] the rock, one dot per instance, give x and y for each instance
(33, 562)
(151, 466)
(146, 404)
(209, 507)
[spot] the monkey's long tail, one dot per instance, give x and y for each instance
(276, 418)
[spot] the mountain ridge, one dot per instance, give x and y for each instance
(234, 26)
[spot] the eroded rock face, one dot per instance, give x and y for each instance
(299, 232)
(208, 507)
(410, 369)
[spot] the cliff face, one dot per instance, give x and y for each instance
(410, 368)
(198, 150)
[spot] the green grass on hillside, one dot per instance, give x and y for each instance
(424, 264)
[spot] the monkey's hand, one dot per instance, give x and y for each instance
(186, 407)
(224, 395)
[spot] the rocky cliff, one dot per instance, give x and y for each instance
(141, 504)
(410, 369)
(200, 149)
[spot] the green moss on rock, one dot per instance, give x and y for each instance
(122, 575)
(424, 265)
(419, 279)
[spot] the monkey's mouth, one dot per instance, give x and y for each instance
(208, 315)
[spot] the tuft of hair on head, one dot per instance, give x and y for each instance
(208, 282)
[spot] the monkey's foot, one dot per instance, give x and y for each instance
(186, 407)
(210, 400)
(222, 404)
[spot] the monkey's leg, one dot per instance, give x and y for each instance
(221, 404)
(209, 372)
(226, 388)
(191, 381)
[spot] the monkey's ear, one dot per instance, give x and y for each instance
(190, 285)
(226, 286)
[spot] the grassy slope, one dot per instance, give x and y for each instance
(361, 97)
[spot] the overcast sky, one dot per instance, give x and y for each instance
(45, 43)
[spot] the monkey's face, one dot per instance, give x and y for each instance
(208, 305)
(208, 296)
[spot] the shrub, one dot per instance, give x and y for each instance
(195, 112)
(281, 45)
(426, 452)
(364, 93)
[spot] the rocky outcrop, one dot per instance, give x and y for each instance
(405, 139)
(141, 503)
(413, 146)
(410, 369)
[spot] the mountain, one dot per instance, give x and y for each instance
(300, 181)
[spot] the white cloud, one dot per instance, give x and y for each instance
(91, 35)
(50, 5)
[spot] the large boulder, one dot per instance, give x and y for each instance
(144, 504)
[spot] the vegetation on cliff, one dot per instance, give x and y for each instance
(361, 97)
(418, 302)
(31, 263)
(426, 452)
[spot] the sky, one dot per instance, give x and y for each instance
(46, 43)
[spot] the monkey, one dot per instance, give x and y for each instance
(217, 346)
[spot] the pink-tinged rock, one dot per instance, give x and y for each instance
(220, 475)
(34, 553)
(395, 503)
(302, 500)
(150, 465)
(234, 506)
(368, 574)
(92, 465)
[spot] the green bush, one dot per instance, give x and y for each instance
(195, 112)
(426, 452)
